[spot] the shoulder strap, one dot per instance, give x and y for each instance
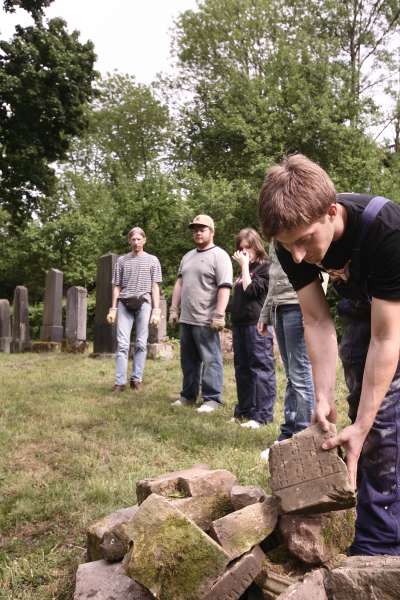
(368, 215)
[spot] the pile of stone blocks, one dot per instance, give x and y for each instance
(198, 535)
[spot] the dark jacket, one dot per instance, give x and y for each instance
(245, 305)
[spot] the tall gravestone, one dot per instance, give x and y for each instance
(105, 340)
(21, 339)
(52, 329)
(75, 324)
(158, 345)
(5, 326)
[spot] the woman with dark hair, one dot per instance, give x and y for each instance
(253, 353)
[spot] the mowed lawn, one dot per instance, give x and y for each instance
(71, 452)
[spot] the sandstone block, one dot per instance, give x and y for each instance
(239, 531)
(244, 495)
(203, 510)
(171, 555)
(238, 577)
(46, 346)
(106, 525)
(365, 577)
(315, 539)
(99, 580)
(307, 478)
(168, 484)
(160, 350)
(310, 588)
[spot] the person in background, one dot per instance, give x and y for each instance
(201, 294)
(282, 310)
(253, 353)
(136, 289)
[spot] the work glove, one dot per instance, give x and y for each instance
(112, 316)
(155, 317)
(218, 321)
(173, 315)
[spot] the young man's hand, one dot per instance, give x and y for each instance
(155, 317)
(112, 316)
(352, 439)
(218, 322)
(173, 315)
(262, 328)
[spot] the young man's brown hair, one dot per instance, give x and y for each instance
(295, 192)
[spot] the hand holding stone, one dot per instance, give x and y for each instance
(218, 322)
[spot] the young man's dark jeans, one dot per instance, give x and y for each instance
(378, 486)
(254, 373)
(201, 363)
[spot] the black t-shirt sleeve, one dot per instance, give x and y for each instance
(384, 278)
(299, 274)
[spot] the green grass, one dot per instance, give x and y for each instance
(72, 453)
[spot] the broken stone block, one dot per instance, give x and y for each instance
(46, 346)
(238, 577)
(365, 577)
(315, 539)
(203, 510)
(310, 588)
(274, 585)
(306, 478)
(99, 580)
(207, 483)
(170, 554)
(244, 495)
(165, 485)
(160, 350)
(97, 530)
(239, 531)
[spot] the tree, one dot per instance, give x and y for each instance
(34, 7)
(46, 78)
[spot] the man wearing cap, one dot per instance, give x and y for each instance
(201, 292)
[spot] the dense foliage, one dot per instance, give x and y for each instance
(254, 80)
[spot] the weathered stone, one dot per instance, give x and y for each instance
(315, 539)
(46, 347)
(52, 329)
(365, 577)
(21, 338)
(158, 333)
(244, 495)
(105, 340)
(311, 588)
(307, 478)
(75, 323)
(96, 531)
(103, 581)
(274, 584)
(207, 483)
(5, 326)
(203, 510)
(238, 577)
(239, 531)
(160, 350)
(171, 555)
(166, 485)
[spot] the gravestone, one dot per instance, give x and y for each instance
(21, 339)
(5, 326)
(105, 339)
(158, 345)
(75, 324)
(52, 329)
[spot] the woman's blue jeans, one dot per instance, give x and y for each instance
(126, 319)
(201, 362)
(299, 396)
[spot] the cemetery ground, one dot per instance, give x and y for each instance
(71, 452)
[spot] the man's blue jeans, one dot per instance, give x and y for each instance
(125, 321)
(299, 396)
(201, 363)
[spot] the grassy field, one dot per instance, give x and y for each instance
(72, 452)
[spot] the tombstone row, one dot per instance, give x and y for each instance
(16, 337)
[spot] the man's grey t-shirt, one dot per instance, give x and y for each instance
(135, 274)
(202, 273)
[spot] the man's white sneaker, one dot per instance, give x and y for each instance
(208, 407)
(182, 402)
(251, 424)
(264, 455)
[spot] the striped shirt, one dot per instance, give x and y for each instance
(135, 275)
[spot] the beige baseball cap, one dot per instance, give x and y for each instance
(204, 220)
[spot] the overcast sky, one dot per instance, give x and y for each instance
(129, 35)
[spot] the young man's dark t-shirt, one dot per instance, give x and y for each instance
(379, 254)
